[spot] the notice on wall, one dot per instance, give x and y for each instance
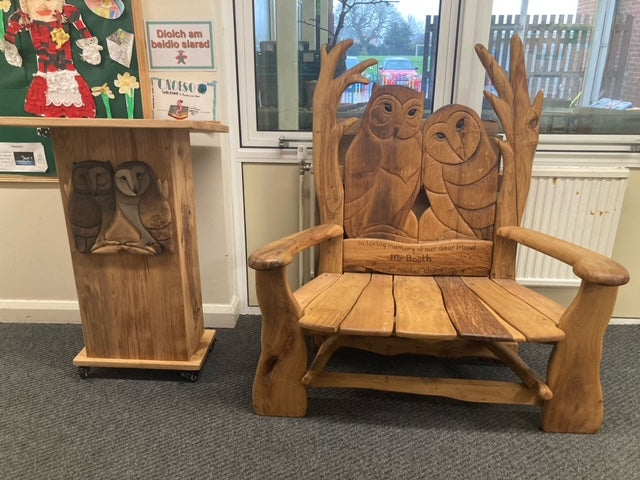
(22, 157)
(183, 46)
(181, 100)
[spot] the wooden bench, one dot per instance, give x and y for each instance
(417, 241)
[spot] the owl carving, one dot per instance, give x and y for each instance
(383, 166)
(460, 175)
(142, 221)
(91, 203)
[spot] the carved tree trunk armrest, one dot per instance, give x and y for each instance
(281, 253)
(587, 264)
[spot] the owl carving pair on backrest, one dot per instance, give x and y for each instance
(125, 209)
(396, 154)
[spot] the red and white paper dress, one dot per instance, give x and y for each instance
(57, 90)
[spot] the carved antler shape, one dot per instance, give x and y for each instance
(327, 132)
(520, 119)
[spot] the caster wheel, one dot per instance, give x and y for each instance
(190, 376)
(84, 372)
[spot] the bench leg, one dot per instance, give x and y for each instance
(277, 387)
(573, 373)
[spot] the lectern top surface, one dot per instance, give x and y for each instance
(46, 122)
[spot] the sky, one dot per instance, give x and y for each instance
(420, 8)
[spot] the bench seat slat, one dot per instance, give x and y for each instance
(329, 308)
(517, 335)
(310, 290)
(468, 314)
(373, 313)
(420, 311)
(534, 326)
(544, 305)
(425, 307)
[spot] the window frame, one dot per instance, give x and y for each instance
(251, 137)
(475, 22)
(459, 78)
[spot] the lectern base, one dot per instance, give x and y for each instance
(193, 364)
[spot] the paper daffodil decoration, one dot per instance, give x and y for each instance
(5, 5)
(127, 84)
(104, 92)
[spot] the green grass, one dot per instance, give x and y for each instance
(415, 60)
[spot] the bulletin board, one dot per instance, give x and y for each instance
(15, 81)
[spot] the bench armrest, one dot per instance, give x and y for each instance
(280, 253)
(587, 264)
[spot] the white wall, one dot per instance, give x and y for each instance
(36, 279)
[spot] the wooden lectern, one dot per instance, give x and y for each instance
(127, 194)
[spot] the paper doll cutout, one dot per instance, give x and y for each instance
(109, 9)
(120, 46)
(57, 90)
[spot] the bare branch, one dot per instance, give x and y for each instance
(520, 119)
(327, 132)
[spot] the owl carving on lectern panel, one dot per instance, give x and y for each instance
(460, 175)
(91, 203)
(142, 222)
(383, 166)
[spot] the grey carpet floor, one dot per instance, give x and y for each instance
(128, 424)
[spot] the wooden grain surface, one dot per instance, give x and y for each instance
(46, 122)
(574, 366)
(468, 314)
(277, 385)
(310, 290)
(194, 363)
(420, 311)
(448, 257)
(327, 133)
(481, 391)
(544, 305)
(382, 167)
(373, 313)
(535, 326)
(588, 265)
(135, 306)
(460, 176)
(329, 309)
(282, 252)
(424, 307)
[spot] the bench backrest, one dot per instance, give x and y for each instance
(416, 196)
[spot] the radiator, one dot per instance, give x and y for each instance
(578, 204)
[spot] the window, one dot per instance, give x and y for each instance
(582, 53)
(578, 52)
(284, 60)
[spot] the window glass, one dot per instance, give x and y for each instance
(580, 54)
(401, 35)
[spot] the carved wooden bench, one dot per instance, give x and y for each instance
(417, 241)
